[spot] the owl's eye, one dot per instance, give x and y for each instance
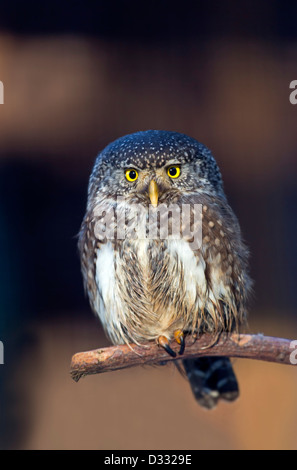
(173, 171)
(131, 175)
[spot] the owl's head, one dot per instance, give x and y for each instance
(155, 166)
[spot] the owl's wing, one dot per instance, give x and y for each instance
(225, 255)
(87, 245)
(226, 259)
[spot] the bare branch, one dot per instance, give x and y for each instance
(262, 348)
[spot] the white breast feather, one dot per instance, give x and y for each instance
(194, 267)
(110, 309)
(105, 280)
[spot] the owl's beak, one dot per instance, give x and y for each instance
(153, 193)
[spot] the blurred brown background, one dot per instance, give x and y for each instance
(76, 76)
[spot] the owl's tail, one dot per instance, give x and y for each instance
(211, 379)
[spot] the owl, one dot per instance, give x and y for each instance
(162, 254)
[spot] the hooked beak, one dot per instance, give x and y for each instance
(153, 193)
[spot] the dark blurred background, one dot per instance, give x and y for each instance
(76, 76)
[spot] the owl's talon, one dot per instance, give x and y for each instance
(163, 341)
(180, 339)
(182, 345)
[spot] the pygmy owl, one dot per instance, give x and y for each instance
(164, 287)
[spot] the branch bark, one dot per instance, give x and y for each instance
(259, 347)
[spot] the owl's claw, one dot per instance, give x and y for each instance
(180, 339)
(163, 341)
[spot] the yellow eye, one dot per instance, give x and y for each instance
(173, 171)
(131, 174)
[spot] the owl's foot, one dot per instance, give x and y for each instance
(163, 341)
(180, 339)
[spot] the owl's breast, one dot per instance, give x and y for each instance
(148, 288)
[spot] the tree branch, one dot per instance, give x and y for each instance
(262, 348)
